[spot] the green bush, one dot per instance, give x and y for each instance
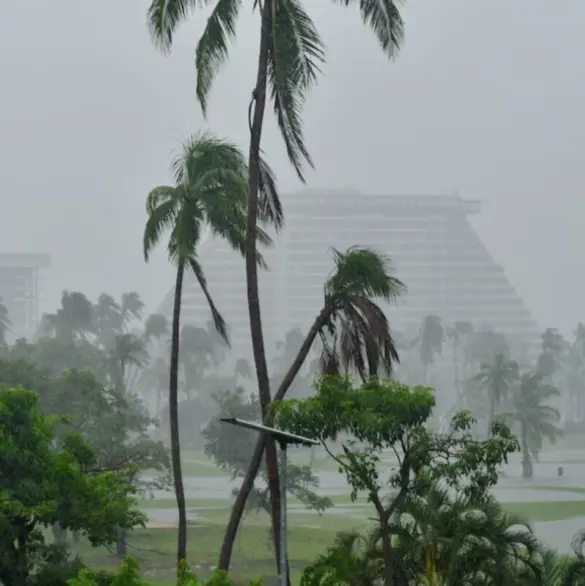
(129, 575)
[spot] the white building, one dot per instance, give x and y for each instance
(434, 248)
(20, 290)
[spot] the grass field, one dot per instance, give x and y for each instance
(309, 535)
(155, 549)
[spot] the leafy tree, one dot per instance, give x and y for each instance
(210, 191)
(41, 486)
(389, 415)
(498, 377)
(360, 278)
(534, 417)
(5, 322)
(231, 449)
(431, 338)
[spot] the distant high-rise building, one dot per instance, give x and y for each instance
(433, 247)
(20, 280)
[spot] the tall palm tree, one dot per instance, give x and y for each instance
(535, 418)
(5, 322)
(360, 278)
(210, 191)
(431, 339)
(290, 54)
(498, 377)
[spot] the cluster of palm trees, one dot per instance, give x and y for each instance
(488, 381)
(441, 539)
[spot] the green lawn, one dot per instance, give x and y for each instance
(155, 550)
(309, 535)
(547, 510)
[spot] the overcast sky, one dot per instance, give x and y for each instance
(485, 100)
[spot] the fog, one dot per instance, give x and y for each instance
(484, 101)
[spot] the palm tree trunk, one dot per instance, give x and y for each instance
(256, 460)
(526, 459)
(492, 414)
(174, 419)
(252, 266)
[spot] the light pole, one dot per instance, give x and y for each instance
(284, 439)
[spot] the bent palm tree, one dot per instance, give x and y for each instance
(360, 277)
(210, 190)
(290, 54)
(497, 377)
(535, 419)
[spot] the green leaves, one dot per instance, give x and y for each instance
(383, 17)
(41, 485)
(294, 57)
(212, 48)
(164, 16)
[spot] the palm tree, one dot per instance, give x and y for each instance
(128, 350)
(431, 339)
(459, 330)
(441, 538)
(156, 327)
(290, 54)
(553, 350)
(5, 323)
(360, 277)
(210, 191)
(497, 377)
(72, 320)
(535, 419)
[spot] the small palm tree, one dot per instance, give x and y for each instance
(5, 322)
(210, 191)
(497, 377)
(431, 339)
(359, 279)
(535, 418)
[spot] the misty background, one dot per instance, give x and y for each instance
(485, 101)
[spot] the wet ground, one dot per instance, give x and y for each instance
(511, 488)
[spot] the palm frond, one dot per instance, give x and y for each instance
(160, 218)
(218, 320)
(269, 205)
(362, 271)
(294, 58)
(163, 18)
(212, 49)
(385, 20)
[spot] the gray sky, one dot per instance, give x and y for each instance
(486, 100)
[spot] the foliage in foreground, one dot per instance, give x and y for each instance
(383, 415)
(46, 480)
